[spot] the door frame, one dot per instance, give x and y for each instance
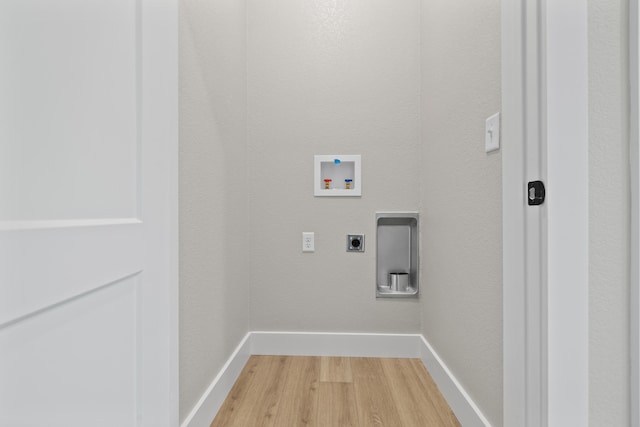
(160, 89)
(634, 167)
(545, 249)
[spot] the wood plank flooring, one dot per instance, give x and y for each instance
(293, 391)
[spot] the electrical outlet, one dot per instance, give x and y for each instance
(355, 242)
(308, 241)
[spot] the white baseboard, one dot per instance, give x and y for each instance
(460, 402)
(335, 344)
(207, 407)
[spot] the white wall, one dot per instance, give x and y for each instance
(329, 77)
(213, 191)
(608, 213)
(461, 196)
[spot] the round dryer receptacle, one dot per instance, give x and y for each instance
(355, 242)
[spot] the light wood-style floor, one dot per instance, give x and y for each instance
(283, 391)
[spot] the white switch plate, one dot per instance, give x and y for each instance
(492, 133)
(308, 241)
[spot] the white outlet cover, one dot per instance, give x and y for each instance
(492, 133)
(308, 241)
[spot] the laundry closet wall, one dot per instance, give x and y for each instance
(267, 84)
(329, 77)
(213, 191)
(461, 195)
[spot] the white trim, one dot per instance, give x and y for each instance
(513, 215)
(65, 223)
(535, 239)
(335, 344)
(634, 154)
(524, 231)
(458, 399)
(567, 137)
(207, 407)
(545, 249)
(158, 212)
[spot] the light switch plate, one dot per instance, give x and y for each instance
(492, 133)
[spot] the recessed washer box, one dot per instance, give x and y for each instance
(337, 175)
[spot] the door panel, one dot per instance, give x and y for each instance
(69, 119)
(88, 153)
(73, 364)
(48, 266)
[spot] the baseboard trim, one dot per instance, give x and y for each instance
(335, 344)
(207, 407)
(460, 402)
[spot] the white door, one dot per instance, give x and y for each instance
(88, 151)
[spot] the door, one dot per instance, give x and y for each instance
(88, 153)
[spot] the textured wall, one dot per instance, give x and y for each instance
(329, 77)
(608, 213)
(344, 77)
(461, 196)
(213, 191)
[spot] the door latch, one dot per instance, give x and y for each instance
(535, 193)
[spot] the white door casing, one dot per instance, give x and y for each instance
(513, 216)
(545, 248)
(524, 237)
(567, 147)
(88, 213)
(634, 163)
